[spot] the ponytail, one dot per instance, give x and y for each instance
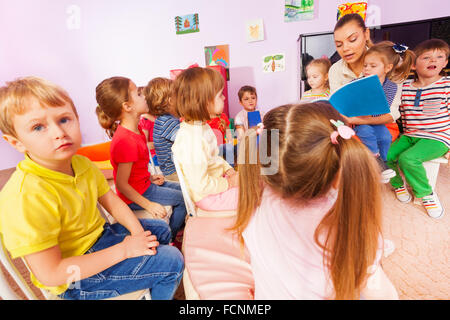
(351, 228)
(110, 94)
(250, 182)
(401, 72)
(309, 164)
(107, 123)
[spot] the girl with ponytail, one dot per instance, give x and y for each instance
(391, 63)
(120, 106)
(313, 227)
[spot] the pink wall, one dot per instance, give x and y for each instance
(137, 39)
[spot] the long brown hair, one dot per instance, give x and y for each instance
(110, 94)
(308, 165)
(401, 62)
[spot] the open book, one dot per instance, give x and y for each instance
(361, 97)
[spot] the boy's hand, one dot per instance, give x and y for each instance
(156, 209)
(158, 179)
(141, 244)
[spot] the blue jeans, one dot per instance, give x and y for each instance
(167, 194)
(161, 273)
(376, 137)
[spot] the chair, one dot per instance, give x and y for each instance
(8, 293)
(216, 267)
(432, 170)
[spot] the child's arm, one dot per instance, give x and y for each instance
(123, 174)
(383, 119)
(51, 269)
(121, 212)
(240, 131)
(150, 144)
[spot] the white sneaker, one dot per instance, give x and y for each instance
(402, 194)
(387, 174)
(433, 206)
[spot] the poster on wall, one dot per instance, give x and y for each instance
(354, 7)
(254, 30)
(218, 56)
(187, 24)
(297, 10)
(274, 63)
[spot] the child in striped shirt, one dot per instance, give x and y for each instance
(157, 93)
(390, 62)
(426, 122)
(317, 77)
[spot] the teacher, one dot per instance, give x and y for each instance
(352, 38)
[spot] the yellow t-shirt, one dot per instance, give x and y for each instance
(41, 208)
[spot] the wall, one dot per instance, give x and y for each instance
(137, 39)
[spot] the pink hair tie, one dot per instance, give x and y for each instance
(342, 130)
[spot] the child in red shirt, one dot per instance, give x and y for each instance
(219, 126)
(120, 107)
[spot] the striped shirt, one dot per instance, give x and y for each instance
(425, 111)
(308, 95)
(164, 133)
(390, 91)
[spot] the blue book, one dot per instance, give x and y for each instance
(254, 117)
(361, 97)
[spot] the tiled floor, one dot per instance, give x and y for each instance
(420, 265)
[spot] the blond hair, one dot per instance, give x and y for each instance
(157, 94)
(194, 91)
(308, 165)
(110, 94)
(15, 96)
(401, 62)
(324, 64)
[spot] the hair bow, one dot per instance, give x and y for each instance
(342, 130)
(399, 48)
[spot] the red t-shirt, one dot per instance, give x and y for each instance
(127, 146)
(148, 125)
(219, 126)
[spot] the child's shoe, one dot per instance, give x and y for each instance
(402, 194)
(433, 206)
(387, 174)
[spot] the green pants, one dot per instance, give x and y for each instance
(409, 154)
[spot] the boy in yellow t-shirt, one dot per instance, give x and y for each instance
(48, 208)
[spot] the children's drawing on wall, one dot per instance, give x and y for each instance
(255, 30)
(274, 63)
(354, 7)
(217, 56)
(187, 24)
(296, 10)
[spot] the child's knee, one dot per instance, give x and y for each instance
(405, 160)
(172, 258)
(159, 228)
